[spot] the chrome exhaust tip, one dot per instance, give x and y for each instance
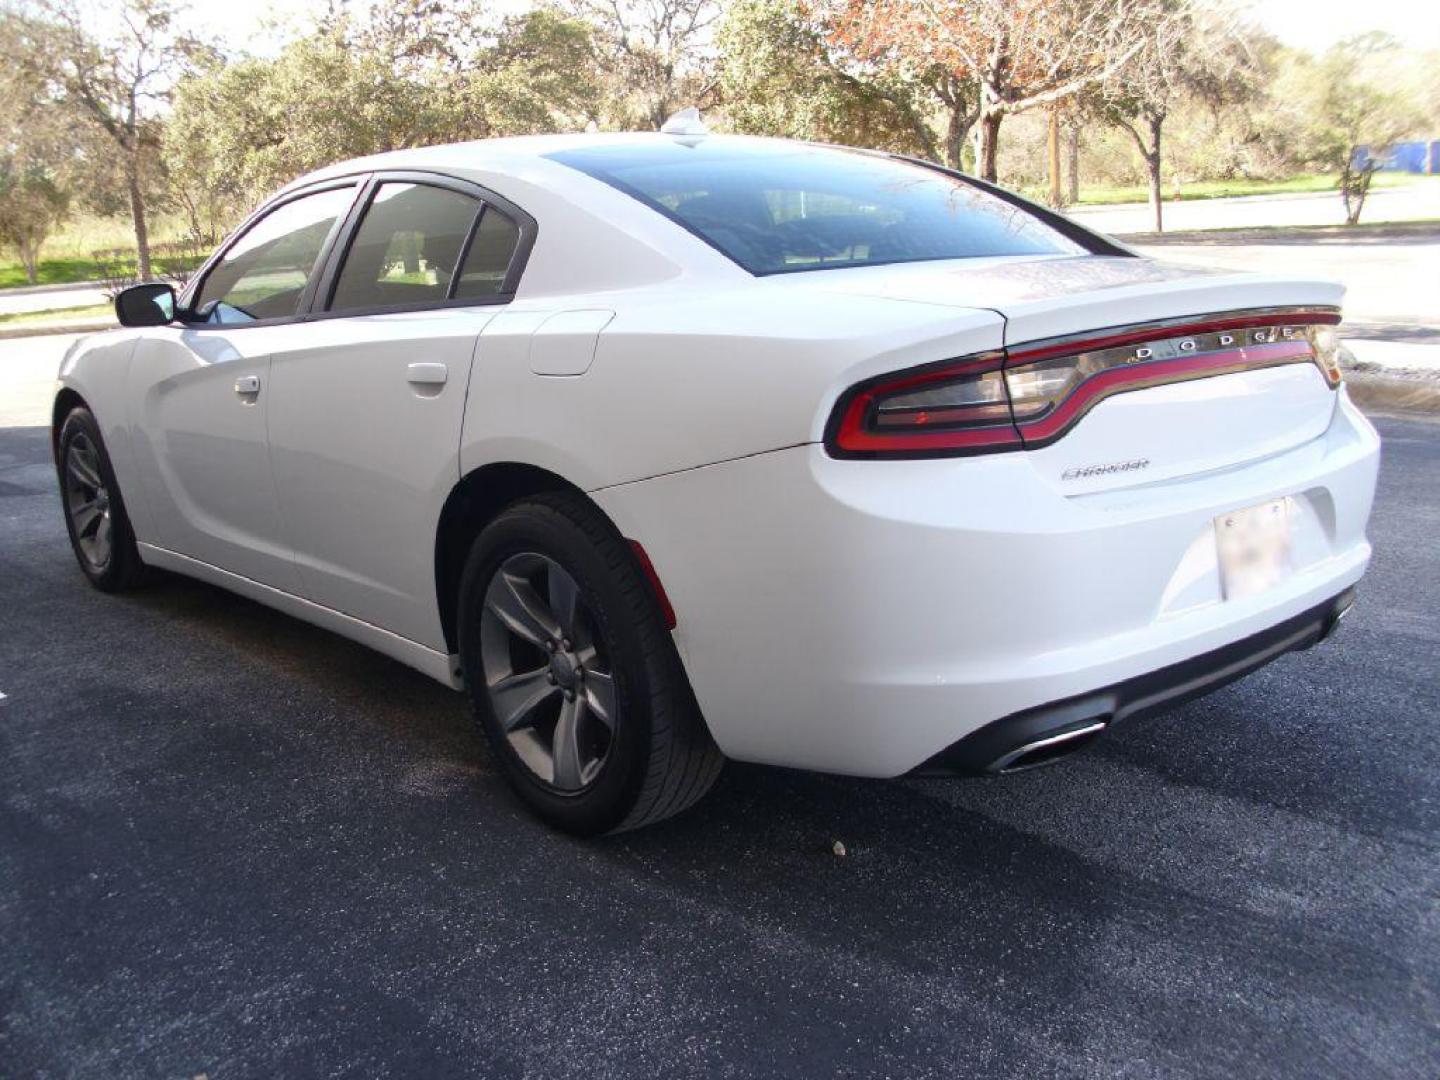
(1047, 751)
(1343, 606)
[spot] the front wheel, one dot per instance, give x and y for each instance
(100, 533)
(572, 675)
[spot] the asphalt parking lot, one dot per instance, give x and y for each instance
(235, 845)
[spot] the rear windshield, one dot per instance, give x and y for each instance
(779, 208)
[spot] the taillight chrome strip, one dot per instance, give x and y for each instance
(1140, 333)
(1256, 349)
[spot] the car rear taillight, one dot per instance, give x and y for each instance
(1032, 395)
(958, 407)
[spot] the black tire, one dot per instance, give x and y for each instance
(660, 758)
(121, 567)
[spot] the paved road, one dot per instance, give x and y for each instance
(1411, 203)
(81, 296)
(27, 378)
(237, 845)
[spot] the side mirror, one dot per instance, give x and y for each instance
(151, 304)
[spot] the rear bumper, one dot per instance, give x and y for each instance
(1046, 733)
(863, 617)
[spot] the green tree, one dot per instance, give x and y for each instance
(34, 156)
(1187, 55)
(1341, 113)
(1359, 118)
(777, 75)
(654, 56)
(1016, 54)
(539, 72)
(115, 85)
(355, 87)
(32, 205)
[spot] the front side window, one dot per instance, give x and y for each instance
(406, 249)
(263, 274)
(780, 208)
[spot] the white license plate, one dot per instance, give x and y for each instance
(1254, 548)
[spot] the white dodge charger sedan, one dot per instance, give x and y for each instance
(669, 449)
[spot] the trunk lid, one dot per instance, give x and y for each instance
(1138, 436)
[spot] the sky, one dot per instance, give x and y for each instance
(1310, 24)
(1318, 24)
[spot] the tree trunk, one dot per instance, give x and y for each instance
(1157, 198)
(1354, 186)
(1052, 145)
(956, 130)
(137, 215)
(985, 164)
(30, 259)
(1362, 189)
(1072, 164)
(1152, 164)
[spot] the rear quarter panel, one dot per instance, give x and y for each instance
(683, 378)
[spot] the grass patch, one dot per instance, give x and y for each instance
(66, 256)
(1107, 194)
(58, 315)
(58, 271)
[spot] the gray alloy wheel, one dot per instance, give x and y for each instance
(550, 686)
(87, 501)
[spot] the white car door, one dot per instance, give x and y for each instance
(367, 402)
(199, 391)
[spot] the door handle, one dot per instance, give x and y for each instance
(247, 384)
(427, 374)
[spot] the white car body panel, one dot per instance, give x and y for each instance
(860, 620)
(364, 458)
(1191, 427)
(853, 616)
(762, 368)
(200, 448)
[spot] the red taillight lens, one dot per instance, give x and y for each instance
(958, 407)
(1036, 393)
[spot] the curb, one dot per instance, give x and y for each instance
(1391, 393)
(46, 329)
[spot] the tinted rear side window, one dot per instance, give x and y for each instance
(777, 208)
(488, 260)
(406, 249)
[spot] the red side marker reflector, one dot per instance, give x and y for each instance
(666, 611)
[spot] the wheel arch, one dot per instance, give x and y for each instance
(66, 401)
(471, 505)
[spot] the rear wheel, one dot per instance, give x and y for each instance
(572, 675)
(100, 533)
